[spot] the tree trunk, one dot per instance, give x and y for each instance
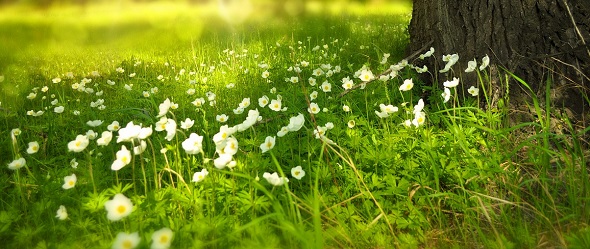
(534, 39)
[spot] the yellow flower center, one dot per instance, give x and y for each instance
(121, 209)
(127, 244)
(71, 183)
(297, 173)
(164, 239)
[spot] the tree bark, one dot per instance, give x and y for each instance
(534, 39)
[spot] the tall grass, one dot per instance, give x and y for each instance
(463, 178)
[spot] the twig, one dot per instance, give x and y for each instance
(569, 12)
(416, 53)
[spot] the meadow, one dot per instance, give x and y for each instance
(176, 125)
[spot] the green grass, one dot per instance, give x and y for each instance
(462, 179)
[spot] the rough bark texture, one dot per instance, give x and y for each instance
(534, 39)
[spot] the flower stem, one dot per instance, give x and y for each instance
(90, 171)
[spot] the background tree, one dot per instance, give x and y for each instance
(534, 39)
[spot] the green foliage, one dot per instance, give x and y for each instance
(381, 170)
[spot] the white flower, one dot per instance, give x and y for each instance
(382, 114)
(33, 147)
(473, 91)
(118, 208)
(329, 125)
(238, 110)
(73, 163)
(407, 85)
(79, 144)
(407, 123)
(295, 123)
(17, 163)
(275, 105)
(485, 61)
(145, 132)
(312, 81)
(347, 84)
(252, 118)
(91, 134)
(389, 109)
(313, 108)
(283, 131)
(418, 107)
(451, 59)
(170, 129)
(58, 109)
(297, 172)
(446, 95)
(187, 124)
(69, 181)
(105, 138)
(200, 176)
(366, 75)
(162, 238)
(318, 72)
(94, 123)
(268, 144)
(193, 144)
(126, 240)
(346, 108)
(452, 83)
(221, 118)
(427, 54)
(294, 79)
(326, 87)
(130, 132)
(313, 95)
(275, 179)
(263, 101)
(164, 107)
(384, 59)
(123, 158)
(265, 74)
(351, 123)
(245, 103)
(198, 102)
(210, 95)
(419, 119)
(471, 65)
(224, 133)
(62, 213)
(222, 161)
(140, 148)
